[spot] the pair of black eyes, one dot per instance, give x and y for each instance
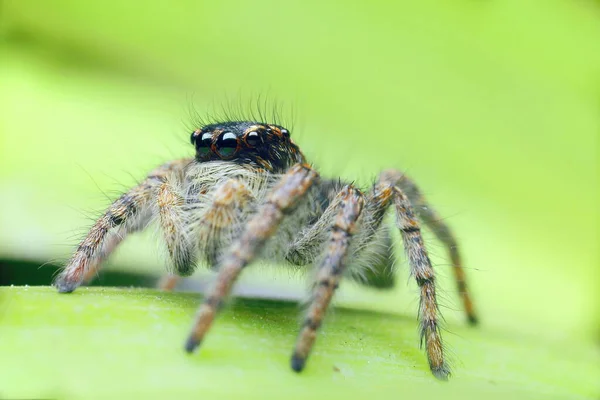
(227, 143)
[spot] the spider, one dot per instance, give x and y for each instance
(249, 193)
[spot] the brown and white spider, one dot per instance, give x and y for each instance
(249, 193)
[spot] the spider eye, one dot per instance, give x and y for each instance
(206, 139)
(285, 132)
(203, 143)
(227, 144)
(253, 139)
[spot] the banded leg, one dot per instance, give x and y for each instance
(443, 233)
(330, 271)
(421, 269)
(284, 196)
(378, 268)
(132, 209)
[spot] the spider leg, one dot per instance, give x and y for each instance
(173, 221)
(309, 244)
(130, 212)
(168, 282)
(441, 230)
(349, 206)
(222, 218)
(281, 200)
(423, 273)
(183, 235)
(383, 194)
(377, 260)
(110, 244)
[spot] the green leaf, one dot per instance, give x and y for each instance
(128, 343)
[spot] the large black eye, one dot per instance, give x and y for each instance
(285, 132)
(227, 144)
(253, 139)
(203, 143)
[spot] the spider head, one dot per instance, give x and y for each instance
(246, 142)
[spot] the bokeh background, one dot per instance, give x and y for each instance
(492, 106)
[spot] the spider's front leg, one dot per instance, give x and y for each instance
(183, 234)
(130, 212)
(228, 208)
(283, 198)
(349, 204)
(174, 219)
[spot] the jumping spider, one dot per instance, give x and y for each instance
(249, 193)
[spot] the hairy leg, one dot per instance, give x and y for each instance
(110, 244)
(376, 270)
(349, 206)
(282, 199)
(183, 235)
(441, 230)
(383, 194)
(379, 273)
(174, 219)
(422, 271)
(128, 213)
(222, 218)
(308, 244)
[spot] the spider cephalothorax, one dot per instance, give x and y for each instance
(247, 194)
(265, 145)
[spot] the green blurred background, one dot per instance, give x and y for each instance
(492, 106)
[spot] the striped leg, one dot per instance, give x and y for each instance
(443, 233)
(169, 205)
(423, 273)
(308, 246)
(130, 211)
(350, 206)
(284, 196)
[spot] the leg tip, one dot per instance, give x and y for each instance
(442, 373)
(64, 286)
(473, 320)
(191, 344)
(297, 363)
